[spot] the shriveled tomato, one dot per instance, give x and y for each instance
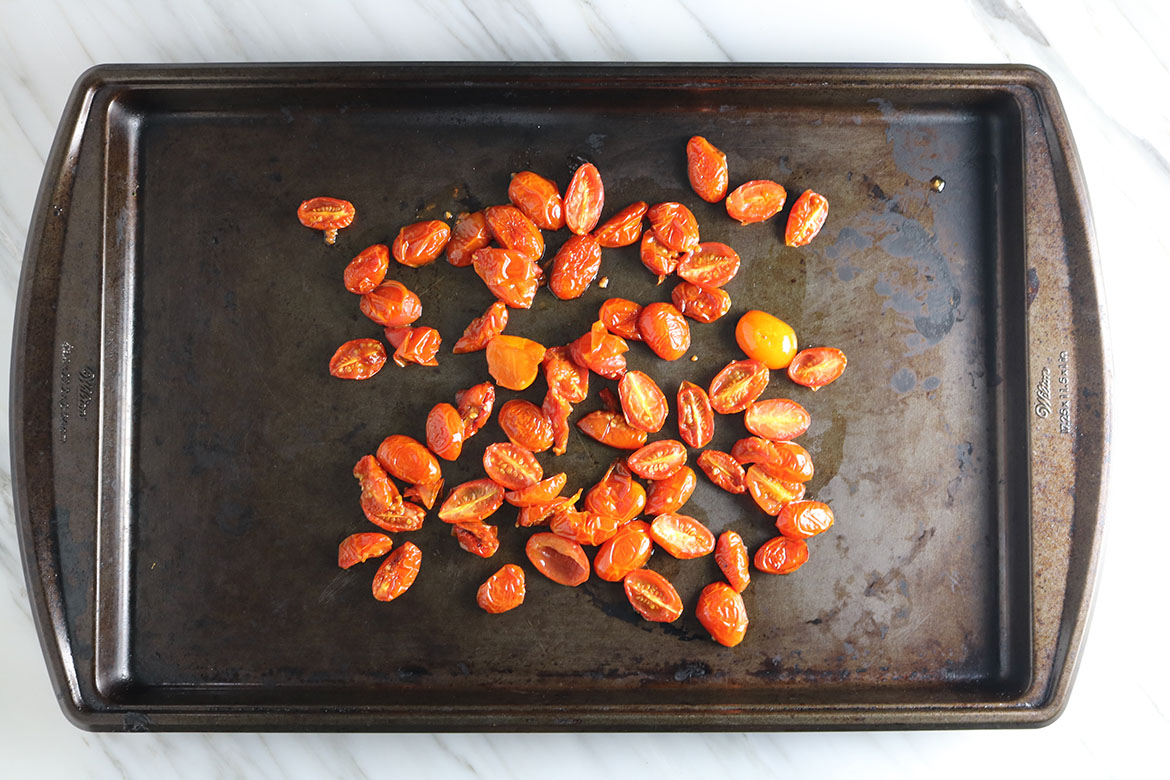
(652, 596)
(398, 572)
(391, 304)
(421, 243)
(524, 423)
(777, 419)
(587, 528)
(669, 495)
(623, 228)
(502, 591)
(802, 519)
(472, 501)
(658, 459)
(327, 214)
(575, 267)
(617, 494)
(475, 406)
(781, 555)
(584, 199)
(366, 271)
(792, 462)
(738, 384)
(611, 428)
(722, 612)
(358, 548)
(477, 538)
(511, 467)
(753, 449)
(770, 490)
(600, 351)
(731, 556)
(415, 345)
(381, 502)
(706, 169)
(723, 470)
(610, 399)
(643, 403)
(755, 201)
(561, 560)
(710, 264)
(513, 361)
(564, 377)
(766, 338)
(470, 234)
(674, 225)
(445, 431)
(512, 276)
(544, 492)
(664, 330)
(682, 536)
(817, 366)
(538, 198)
(558, 410)
(626, 550)
(358, 359)
(696, 421)
(540, 514)
(658, 258)
(395, 518)
(621, 318)
(702, 304)
(407, 460)
(806, 218)
(512, 230)
(483, 329)
(426, 493)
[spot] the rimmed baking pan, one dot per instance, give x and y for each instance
(182, 457)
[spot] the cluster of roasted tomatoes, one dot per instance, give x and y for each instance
(504, 244)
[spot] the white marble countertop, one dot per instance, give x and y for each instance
(1110, 63)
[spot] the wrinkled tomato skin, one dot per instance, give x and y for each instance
(674, 225)
(816, 367)
(584, 199)
(643, 403)
(514, 361)
(803, 519)
(670, 494)
(391, 304)
(426, 493)
(658, 258)
(510, 275)
(415, 345)
(617, 494)
(611, 429)
(770, 490)
(806, 218)
(525, 424)
(706, 169)
(664, 330)
(781, 555)
(539, 199)
(575, 267)
(445, 431)
(753, 449)
(511, 467)
(585, 528)
(359, 548)
(621, 318)
(503, 591)
(776, 419)
(766, 338)
(791, 461)
(407, 460)
(470, 234)
(710, 264)
(737, 385)
(564, 377)
(624, 228)
(367, 270)
(471, 502)
(658, 459)
(543, 492)
(652, 596)
(512, 230)
(561, 560)
(696, 419)
(600, 351)
(701, 304)
(731, 556)
(722, 612)
(358, 359)
(477, 538)
(682, 536)
(398, 572)
(755, 201)
(558, 410)
(475, 407)
(540, 514)
(327, 214)
(629, 549)
(483, 329)
(723, 470)
(421, 243)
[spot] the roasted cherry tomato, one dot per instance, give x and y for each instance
(611, 429)
(421, 243)
(658, 258)
(658, 459)
(755, 201)
(407, 460)
(511, 467)
(398, 518)
(470, 234)
(366, 271)
(682, 536)
(475, 406)
(617, 494)
(674, 225)
(539, 199)
(543, 492)
(802, 519)
(621, 318)
(600, 351)
(696, 421)
(391, 304)
(328, 214)
(722, 612)
(358, 359)
(587, 528)
(584, 199)
(472, 502)
(502, 591)
(427, 493)
(540, 514)
(723, 470)
(777, 419)
(643, 403)
(706, 169)
(664, 330)
(669, 495)
(731, 556)
(737, 385)
(710, 264)
(575, 267)
(358, 548)
(445, 431)
(652, 596)
(564, 377)
(816, 367)
(702, 304)
(753, 449)
(765, 338)
(781, 555)
(558, 411)
(806, 218)
(626, 550)
(415, 345)
(770, 490)
(561, 560)
(512, 230)
(622, 229)
(483, 329)
(477, 538)
(398, 572)
(525, 424)
(514, 361)
(511, 275)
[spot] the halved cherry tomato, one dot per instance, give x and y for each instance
(421, 243)
(657, 257)
(817, 366)
(777, 419)
(380, 495)
(723, 470)
(709, 264)
(600, 351)
(502, 591)
(738, 384)
(706, 169)
(806, 218)
(611, 401)
(575, 267)
(391, 304)
(766, 338)
(358, 359)
(415, 345)
(558, 411)
(722, 612)
(617, 494)
(753, 449)
(564, 377)
(584, 199)
(781, 555)
(540, 514)
(524, 423)
(407, 460)
(475, 407)
(731, 556)
(674, 225)
(477, 538)
(511, 467)
(802, 519)
(626, 550)
(770, 490)
(664, 330)
(471, 234)
(367, 270)
(561, 560)
(483, 329)
(643, 403)
(587, 528)
(513, 361)
(696, 421)
(658, 459)
(398, 572)
(652, 596)
(702, 304)
(512, 230)
(682, 536)
(538, 198)
(358, 548)
(397, 518)
(512, 276)
(611, 429)
(543, 492)
(791, 462)
(669, 495)
(755, 201)
(472, 501)
(621, 318)
(624, 228)
(445, 431)
(427, 493)
(328, 214)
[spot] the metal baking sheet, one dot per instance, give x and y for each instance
(183, 458)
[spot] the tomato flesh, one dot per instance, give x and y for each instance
(652, 596)
(669, 495)
(658, 459)
(643, 403)
(776, 419)
(696, 419)
(817, 366)
(561, 560)
(682, 536)
(358, 548)
(511, 467)
(737, 385)
(397, 573)
(471, 502)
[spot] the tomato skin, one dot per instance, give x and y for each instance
(421, 243)
(702, 304)
(391, 304)
(513, 361)
(816, 367)
(359, 548)
(540, 514)
(723, 470)
(415, 345)
(670, 494)
(558, 411)
(674, 225)
(658, 258)
(543, 492)
(511, 467)
(564, 376)
(600, 351)
(538, 198)
(781, 555)
(792, 462)
(477, 538)
(475, 407)
(584, 199)
(770, 490)
(802, 519)
(722, 612)
(400, 517)
(766, 338)
(575, 267)
(482, 329)
(358, 359)
(753, 449)
(367, 270)
(652, 596)
(398, 572)
(426, 493)
(628, 549)
(643, 403)
(525, 424)
(706, 169)
(806, 218)
(731, 556)
(682, 536)
(776, 419)
(471, 233)
(624, 228)
(502, 591)
(327, 214)
(445, 431)
(472, 501)
(709, 264)
(585, 528)
(611, 429)
(664, 330)
(696, 419)
(617, 494)
(510, 275)
(561, 560)
(621, 318)
(658, 459)
(405, 459)
(755, 201)
(737, 385)
(514, 231)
